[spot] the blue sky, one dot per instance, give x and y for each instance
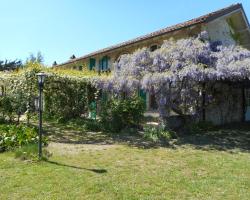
(60, 28)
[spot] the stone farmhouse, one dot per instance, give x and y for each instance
(229, 25)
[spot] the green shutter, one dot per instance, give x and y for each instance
(92, 109)
(107, 62)
(143, 95)
(100, 64)
(91, 63)
(104, 63)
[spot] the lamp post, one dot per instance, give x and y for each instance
(41, 77)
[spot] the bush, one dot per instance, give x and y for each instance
(30, 152)
(6, 106)
(67, 98)
(2, 120)
(158, 133)
(88, 124)
(199, 127)
(13, 136)
(12, 105)
(117, 114)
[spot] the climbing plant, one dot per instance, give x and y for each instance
(181, 73)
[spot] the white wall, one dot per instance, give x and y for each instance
(220, 30)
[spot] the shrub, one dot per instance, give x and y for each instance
(199, 127)
(158, 133)
(2, 120)
(13, 136)
(12, 105)
(6, 106)
(117, 114)
(66, 98)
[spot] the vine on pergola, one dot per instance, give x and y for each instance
(179, 72)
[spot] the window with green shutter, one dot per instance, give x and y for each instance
(100, 64)
(143, 95)
(107, 62)
(91, 63)
(104, 63)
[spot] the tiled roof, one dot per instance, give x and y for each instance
(202, 19)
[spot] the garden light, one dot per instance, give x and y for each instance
(41, 77)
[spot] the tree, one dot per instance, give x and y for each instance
(54, 63)
(9, 65)
(72, 57)
(36, 58)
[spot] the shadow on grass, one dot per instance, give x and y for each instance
(60, 134)
(225, 138)
(99, 171)
(74, 135)
(231, 137)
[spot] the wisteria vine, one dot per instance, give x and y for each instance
(179, 71)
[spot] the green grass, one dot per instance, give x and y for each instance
(96, 169)
(29, 152)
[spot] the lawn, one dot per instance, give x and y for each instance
(85, 165)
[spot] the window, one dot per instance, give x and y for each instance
(91, 63)
(80, 68)
(120, 55)
(104, 63)
(153, 47)
(100, 64)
